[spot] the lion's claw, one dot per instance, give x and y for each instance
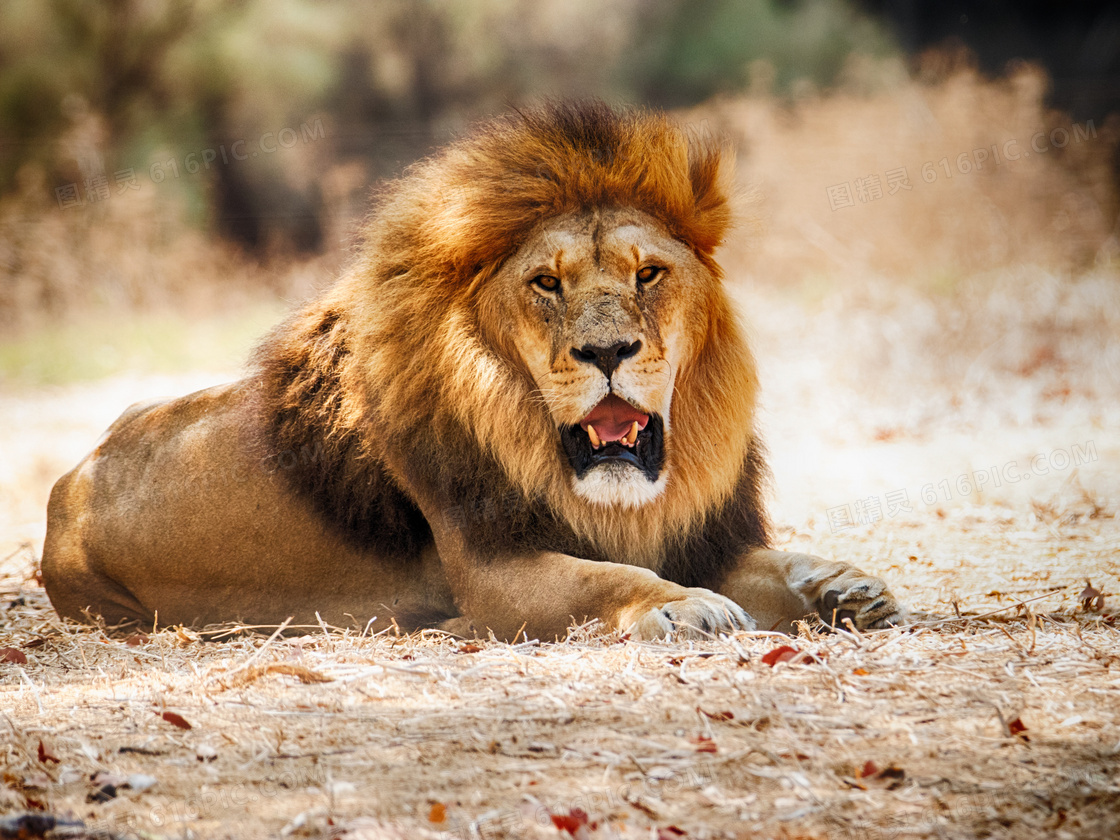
(862, 599)
(701, 615)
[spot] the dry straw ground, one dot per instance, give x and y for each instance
(915, 349)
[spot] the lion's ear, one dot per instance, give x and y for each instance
(710, 171)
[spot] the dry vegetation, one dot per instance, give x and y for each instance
(1003, 726)
(969, 323)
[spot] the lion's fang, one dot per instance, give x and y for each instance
(632, 436)
(594, 437)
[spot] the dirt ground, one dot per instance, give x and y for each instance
(986, 500)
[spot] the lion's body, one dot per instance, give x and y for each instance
(232, 541)
(488, 419)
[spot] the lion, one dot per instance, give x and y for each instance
(527, 404)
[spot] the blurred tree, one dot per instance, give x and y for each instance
(693, 50)
(160, 86)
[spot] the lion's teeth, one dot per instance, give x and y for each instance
(632, 435)
(594, 437)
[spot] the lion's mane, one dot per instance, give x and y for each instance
(405, 390)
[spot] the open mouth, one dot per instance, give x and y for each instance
(615, 432)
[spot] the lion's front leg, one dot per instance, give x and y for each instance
(779, 587)
(540, 595)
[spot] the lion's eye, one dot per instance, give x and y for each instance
(547, 282)
(649, 274)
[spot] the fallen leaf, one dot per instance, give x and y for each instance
(104, 787)
(437, 813)
(780, 654)
(184, 637)
(704, 744)
(467, 647)
(892, 772)
(176, 720)
(570, 822)
(869, 769)
(102, 794)
(136, 639)
(46, 755)
(13, 655)
(785, 653)
(1017, 727)
(860, 672)
(1091, 598)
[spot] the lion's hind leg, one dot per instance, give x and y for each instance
(71, 576)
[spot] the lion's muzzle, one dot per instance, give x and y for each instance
(616, 432)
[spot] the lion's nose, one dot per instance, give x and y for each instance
(606, 358)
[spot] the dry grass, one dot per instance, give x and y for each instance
(905, 733)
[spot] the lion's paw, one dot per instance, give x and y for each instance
(701, 615)
(862, 598)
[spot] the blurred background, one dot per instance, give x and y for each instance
(928, 247)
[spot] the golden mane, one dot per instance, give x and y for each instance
(471, 205)
(394, 375)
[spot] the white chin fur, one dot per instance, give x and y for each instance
(619, 484)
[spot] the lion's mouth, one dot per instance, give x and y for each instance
(615, 432)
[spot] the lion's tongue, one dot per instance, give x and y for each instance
(612, 419)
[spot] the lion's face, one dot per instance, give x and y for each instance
(599, 308)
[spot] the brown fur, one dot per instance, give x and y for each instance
(412, 423)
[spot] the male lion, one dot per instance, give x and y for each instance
(526, 403)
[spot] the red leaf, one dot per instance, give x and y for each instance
(13, 655)
(868, 769)
(467, 647)
(704, 744)
(136, 639)
(571, 822)
(176, 720)
(46, 755)
(1017, 727)
(780, 654)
